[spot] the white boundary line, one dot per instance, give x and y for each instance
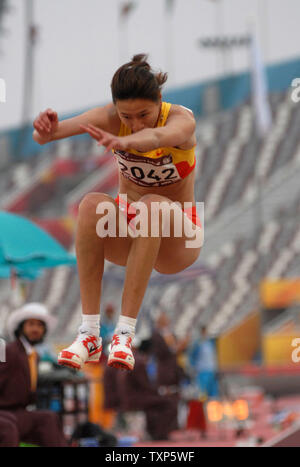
(286, 433)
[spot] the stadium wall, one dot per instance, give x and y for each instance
(277, 349)
(240, 345)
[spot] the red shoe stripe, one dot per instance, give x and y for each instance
(114, 363)
(119, 365)
(69, 363)
(67, 354)
(122, 355)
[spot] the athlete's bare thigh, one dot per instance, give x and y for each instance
(178, 250)
(116, 248)
(174, 254)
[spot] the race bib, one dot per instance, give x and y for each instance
(146, 171)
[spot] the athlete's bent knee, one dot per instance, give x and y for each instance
(88, 205)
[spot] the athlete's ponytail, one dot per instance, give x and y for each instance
(140, 60)
(136, 80)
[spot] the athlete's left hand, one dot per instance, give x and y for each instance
(104, 138)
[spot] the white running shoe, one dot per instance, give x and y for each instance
(120, 355)
(85, 349)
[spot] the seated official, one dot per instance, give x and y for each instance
(18, 381)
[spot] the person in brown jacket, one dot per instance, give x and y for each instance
(138, 393)
(18, 381)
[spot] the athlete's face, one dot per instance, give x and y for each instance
(138, 114)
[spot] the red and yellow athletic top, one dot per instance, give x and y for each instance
(160, 167)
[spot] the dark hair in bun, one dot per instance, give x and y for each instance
(136, 80)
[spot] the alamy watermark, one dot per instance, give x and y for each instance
(2, 91)
(2, 351)
(296, 351)
(295, 95)
(163, 216)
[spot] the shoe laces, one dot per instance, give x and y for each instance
(123, 339)
(85, 338)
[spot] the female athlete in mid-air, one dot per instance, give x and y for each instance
(154, 145)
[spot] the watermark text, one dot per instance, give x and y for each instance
(2, 91)
(2, 351)
(295, 95)
(155, 219)
(296, 351)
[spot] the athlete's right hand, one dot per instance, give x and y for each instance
(46, 123)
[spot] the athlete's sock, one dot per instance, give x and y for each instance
(90, 324)
(126, 324)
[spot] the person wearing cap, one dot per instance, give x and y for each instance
(27, 327)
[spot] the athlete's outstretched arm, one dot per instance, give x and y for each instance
(47, 126)
(179, 130)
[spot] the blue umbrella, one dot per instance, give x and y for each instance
(27, 248)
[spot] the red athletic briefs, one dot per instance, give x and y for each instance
(190, 212)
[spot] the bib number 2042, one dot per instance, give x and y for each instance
(140, 174)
